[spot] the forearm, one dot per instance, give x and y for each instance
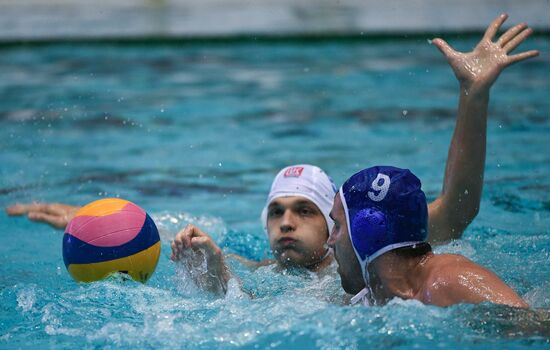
(460, 197)
(216, 277)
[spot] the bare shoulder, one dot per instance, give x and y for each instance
(451, 269)
(452, 279)
(443, 270)
(451, 262)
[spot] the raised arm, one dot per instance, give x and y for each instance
(56, 215)
(476, 71)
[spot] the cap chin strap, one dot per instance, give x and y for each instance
(327, 254)
(362, 297)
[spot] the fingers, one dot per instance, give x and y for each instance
(191, 237)
(180, 243)
(47, 208)
(207, 245)
(518, 39)
(494, 27)
(175, 256)
(511, 33)
(521, 56)
(201, 243)
(442, 45)
(53, 220)
(22, 209)
(183, 238)
(16, 209)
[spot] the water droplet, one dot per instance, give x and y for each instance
(429, 41)
(405, 112)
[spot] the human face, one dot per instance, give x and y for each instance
(339, 240)
(297, 231)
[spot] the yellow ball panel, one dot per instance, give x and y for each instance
(139, 266)
(102, 207)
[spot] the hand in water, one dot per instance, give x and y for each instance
(55, 214)
(477, 70)
(193, 247)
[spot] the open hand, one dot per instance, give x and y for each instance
(477, 70)
(57, 215)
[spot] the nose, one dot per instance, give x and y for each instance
(288, 223)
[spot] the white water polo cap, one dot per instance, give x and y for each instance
(307, 181)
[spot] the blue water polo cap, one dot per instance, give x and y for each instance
(385, 209)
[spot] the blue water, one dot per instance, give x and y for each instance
(195, 134)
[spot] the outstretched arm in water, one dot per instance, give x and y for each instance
(57, 215)
(476, 71)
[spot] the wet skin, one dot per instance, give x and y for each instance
(297, 232)
(442, 280)
(348, 265)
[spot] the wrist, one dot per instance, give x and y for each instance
(474, 91)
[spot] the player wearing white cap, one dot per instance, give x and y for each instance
(296, 213)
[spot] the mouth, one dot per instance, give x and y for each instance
(286, 242)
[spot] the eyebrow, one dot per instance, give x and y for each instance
(299, 202)
(305, 202)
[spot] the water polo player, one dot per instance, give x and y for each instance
(448, 215)
(379, 240)
(299, 186)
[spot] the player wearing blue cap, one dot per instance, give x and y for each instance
(296, 212)
(379, 240)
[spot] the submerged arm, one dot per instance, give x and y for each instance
(251, 263)
(476, 71)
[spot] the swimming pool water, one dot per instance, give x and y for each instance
(195, 134)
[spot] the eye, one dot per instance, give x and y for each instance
(274, 212)
(306, 211)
